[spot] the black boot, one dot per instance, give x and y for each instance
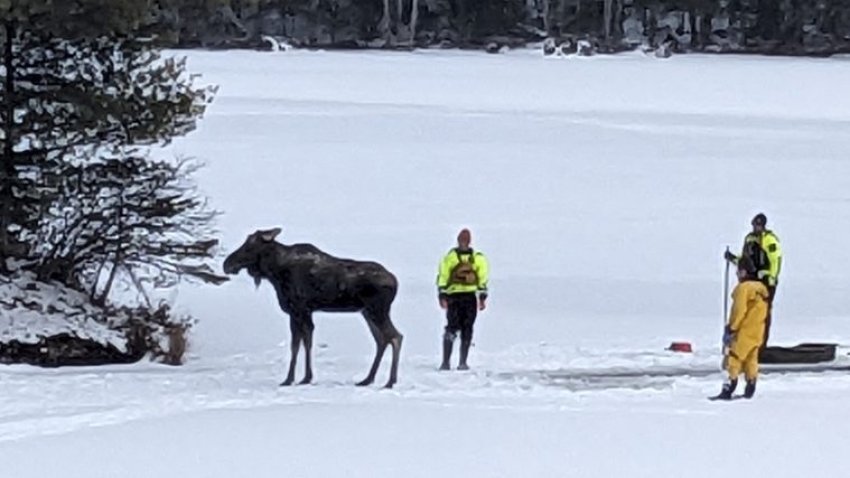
(728, 390)
(447, 354)
(750, 389)
(464, 353)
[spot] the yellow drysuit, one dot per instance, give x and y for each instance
(746, 323)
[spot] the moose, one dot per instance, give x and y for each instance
(307, 280)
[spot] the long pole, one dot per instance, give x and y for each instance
(725, 308)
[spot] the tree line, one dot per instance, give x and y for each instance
(791, 27)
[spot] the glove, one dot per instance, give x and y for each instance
(729, 256)
(728, 336)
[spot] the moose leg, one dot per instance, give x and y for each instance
(395, 339)
(307, 336)
(295, 343)
(380, 345)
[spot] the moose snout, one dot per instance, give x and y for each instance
(230, 267)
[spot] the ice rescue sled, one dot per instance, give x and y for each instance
(808, 357)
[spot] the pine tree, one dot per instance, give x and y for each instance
(128, 218)
(73, 89)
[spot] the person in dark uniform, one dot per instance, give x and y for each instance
(762, 247)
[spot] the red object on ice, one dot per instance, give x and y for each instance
(681, 347)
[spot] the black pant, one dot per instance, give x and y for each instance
(771, 291)
(461, 313)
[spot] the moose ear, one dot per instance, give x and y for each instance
(270, 235)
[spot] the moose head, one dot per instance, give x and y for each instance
(248, 255)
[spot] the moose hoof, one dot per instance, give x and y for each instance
(306, 381)
(286, 382)
(389, 385)
(364, 382)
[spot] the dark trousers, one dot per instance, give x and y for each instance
(461, 313)
(771, 290)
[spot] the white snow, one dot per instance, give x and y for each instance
(603, 190)
(31, 311)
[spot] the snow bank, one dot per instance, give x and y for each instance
(31, 311)
(49, 324)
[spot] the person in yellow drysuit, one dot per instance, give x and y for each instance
(462, 292)
(744, 333)
(762, 247)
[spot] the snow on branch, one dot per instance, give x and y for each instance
(129, 218)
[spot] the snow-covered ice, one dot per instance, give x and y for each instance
(603, 191)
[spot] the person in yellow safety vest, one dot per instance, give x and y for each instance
(462, 292)
(744, 333)
(762, 247)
